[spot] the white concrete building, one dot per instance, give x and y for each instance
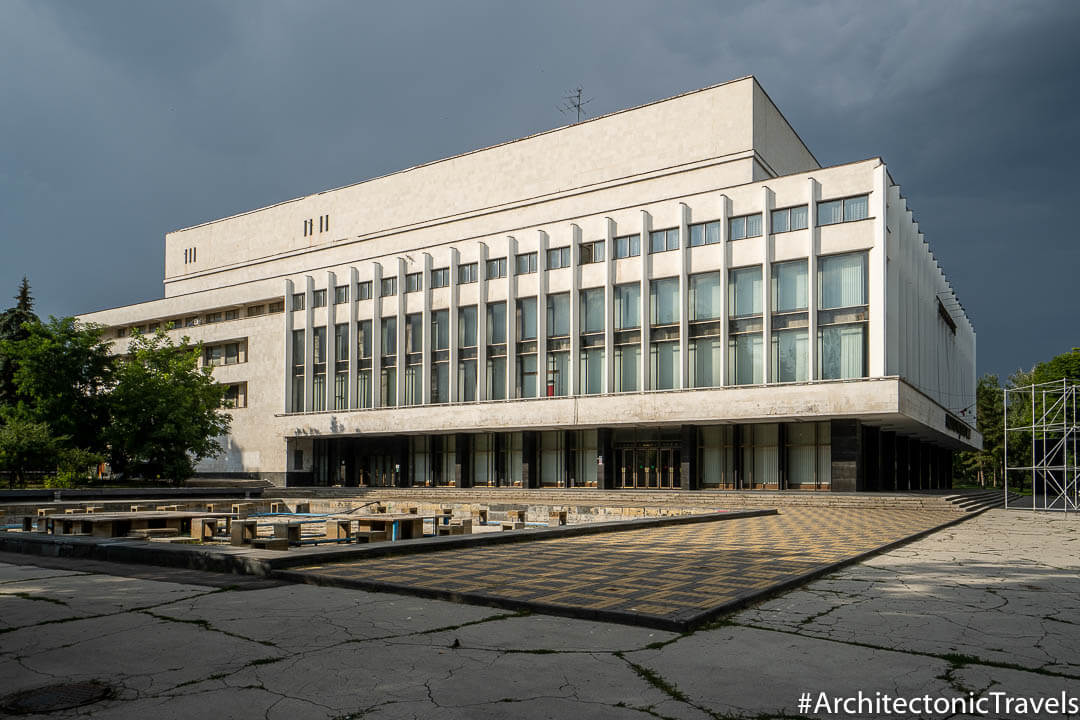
(675, 295)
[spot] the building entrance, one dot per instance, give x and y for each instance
(648, 466)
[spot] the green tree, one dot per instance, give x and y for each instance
(986, 466)
(63, 371)
(25, 446)
(166, 411)
(13, 323)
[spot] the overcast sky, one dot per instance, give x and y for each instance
(121, 121)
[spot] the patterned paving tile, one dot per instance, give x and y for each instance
(666, 573)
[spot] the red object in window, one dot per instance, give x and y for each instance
(551, 388)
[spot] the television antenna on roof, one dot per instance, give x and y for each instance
(575, 104)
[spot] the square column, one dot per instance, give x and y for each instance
(400, 282)
(331, 341)
(353, 385)
(511, 317)
(425, 342)
(287, 397)
(455, 263)
(725, 263)
(309, 343)
(813, 192)
(768, 200)
(609, 307)
(541, 314)
(376, 335)
(481, 323)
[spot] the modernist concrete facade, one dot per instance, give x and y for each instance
(675, 295)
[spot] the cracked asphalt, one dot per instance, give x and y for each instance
(989, 604)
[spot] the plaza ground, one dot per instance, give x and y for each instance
(987, 604)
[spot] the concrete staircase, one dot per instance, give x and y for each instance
(975, 500)
(581, 497)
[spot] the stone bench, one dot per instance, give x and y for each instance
(274, 543)
(370, 536)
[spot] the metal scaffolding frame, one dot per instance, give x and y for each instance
(1043, 416)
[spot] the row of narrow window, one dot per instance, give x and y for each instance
(841, 339)
(209, 318)
(787, 219)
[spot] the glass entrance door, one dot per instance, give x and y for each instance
(647, 467)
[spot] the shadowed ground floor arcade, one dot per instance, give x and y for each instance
(842, 455)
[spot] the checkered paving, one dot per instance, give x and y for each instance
(668, 573)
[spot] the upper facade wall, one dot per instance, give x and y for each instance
(735, 124)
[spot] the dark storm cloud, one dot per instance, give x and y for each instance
(124, 120)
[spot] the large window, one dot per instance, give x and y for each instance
(706, 330)
(440, 277)
(744, 226)
(414, 282)
(341, 342)
(627, 306)
(388, 287)
(341, 294)
(704, 234)
(496, 351)
(793, 218)
(414, 359)
(627, 246)
(558, 258)
(627, 337)
(526, 318)
(558, 315)
(389, 335)
(318, 385)
(363, 290)
(745, 361)
(467, 334)
(525, 263)
(842, 316)
(663, 240)
(496, 268)
(591, 252)
(467, 273)
(440, 330)
(790, 321)
(664, 301)
(831, 212)
(318, 298)
(496, 323)
(592, 310)
(363, 369)
(467, 326)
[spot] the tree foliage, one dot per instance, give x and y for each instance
(67, 403)
(13, 323)
(25, 446)
(62, 378)
(987, 467)
(166, 413)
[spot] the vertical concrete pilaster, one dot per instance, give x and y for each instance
(684, 296)
(609, 305)
(646, 264)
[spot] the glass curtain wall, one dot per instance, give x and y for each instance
(558, 345)
(664, 334)
(341, 366)
(526, 348)
(496, 351)
(318, 385)
(363, 365)
(842, 316)
(414, 359)
(706, 330)
(592, 315)
(466, 386)
(440, 356)
(627, 337)
(298, 343)
(745, 326)
(790, 322)
(388, 374)
(716, 456)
